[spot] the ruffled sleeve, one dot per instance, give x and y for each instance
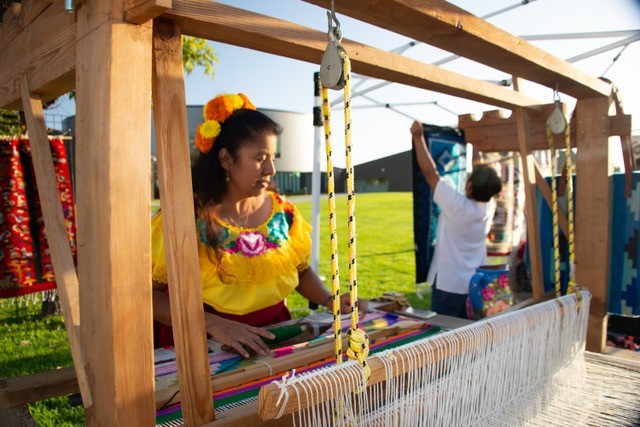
(158, 259)
(300, 237)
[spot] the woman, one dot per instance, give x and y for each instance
(254, 246)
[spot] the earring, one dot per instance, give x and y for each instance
(226, 178)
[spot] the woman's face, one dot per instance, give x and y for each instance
(253, 168)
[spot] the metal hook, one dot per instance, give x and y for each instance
(333, 32)
(556, 94)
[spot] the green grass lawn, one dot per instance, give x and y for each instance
(385, 262)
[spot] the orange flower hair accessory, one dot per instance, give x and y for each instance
(215, 112)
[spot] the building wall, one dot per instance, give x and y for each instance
(391, 173)
(294, 159)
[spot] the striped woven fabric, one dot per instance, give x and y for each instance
(166, 372)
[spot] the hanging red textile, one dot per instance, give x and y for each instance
(25, 260)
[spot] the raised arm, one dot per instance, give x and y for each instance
(425, 161)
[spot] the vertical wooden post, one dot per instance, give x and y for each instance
(113, 82)
(593, 213)
(61, 255)
(531, 203)
(181, 247)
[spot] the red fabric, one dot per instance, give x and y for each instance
(163, 334)
(24, 251)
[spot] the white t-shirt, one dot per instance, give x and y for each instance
(461, 234)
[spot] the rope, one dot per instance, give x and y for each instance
(358, 348)
(569, 169)
(572, 287)
(333, 237)
(554, 214)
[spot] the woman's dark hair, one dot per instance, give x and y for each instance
(485, 183)
(240, 128)
(207, 174)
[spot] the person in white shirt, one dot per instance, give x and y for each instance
(461, 231)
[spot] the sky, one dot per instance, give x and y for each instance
(273, 82)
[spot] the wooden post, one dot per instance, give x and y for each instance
(593, 213)
(531, 204)
(181, 247)
(113, 81)
(61, 255)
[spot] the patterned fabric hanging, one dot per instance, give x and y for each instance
(25, 260)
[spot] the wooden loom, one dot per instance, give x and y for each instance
(104, 52)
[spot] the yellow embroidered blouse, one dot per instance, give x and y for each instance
(258, 267)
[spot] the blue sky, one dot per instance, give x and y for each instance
(284, 84)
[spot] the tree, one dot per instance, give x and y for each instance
(197, 52)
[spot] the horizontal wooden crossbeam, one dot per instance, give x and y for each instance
(50, 56)
(495, 132)
(443, 25)
(226, 24)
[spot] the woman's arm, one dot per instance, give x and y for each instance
(226, 332)
(312, 288)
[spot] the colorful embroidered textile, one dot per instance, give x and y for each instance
(25, 261)
(257, 267)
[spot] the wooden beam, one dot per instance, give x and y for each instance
(17, 417)
(113, 189)
(441, 24)
(531, 204)
(593, 213)
(61, 255)
(12, 25)
(181, 243)
(32, 388)
(495, 132)
(44, 52)
(226, 24)
(141, 11)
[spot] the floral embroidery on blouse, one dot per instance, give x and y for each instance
(252, 242)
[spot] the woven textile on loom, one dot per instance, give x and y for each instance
(624, 255)
(523, 368)
(170, 413)
(25, 261)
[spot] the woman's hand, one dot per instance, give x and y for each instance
(345, 305)
(236, 335)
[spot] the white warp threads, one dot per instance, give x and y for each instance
(523, 368)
